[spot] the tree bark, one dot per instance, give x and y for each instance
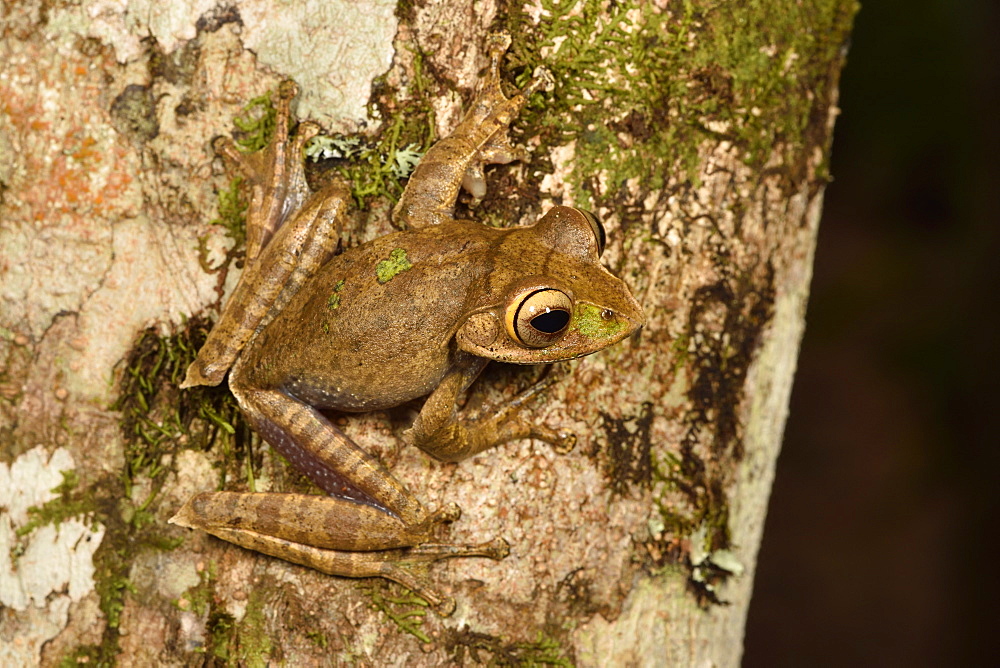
(698, 133)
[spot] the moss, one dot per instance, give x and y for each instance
(640, 90)
(71, 503)
(198, 599)
(219, 630)
(238, 643)
(318, 638)
(250, 644)
(374, 169)
(375, 166)
(86, 655)
(158, 419)
(256, 123)
(403, 608)
(232, 209)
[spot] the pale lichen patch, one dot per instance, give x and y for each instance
(53, 558)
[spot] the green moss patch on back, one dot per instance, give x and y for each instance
(333, 301)
(386, 270)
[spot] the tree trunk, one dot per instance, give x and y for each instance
(698, 132)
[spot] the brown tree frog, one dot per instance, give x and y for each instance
(415, 313)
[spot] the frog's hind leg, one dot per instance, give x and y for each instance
(281, 254)
(314, 446)
(407, 566)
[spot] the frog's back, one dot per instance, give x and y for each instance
(374, 327)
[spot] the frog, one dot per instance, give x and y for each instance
(418, 312)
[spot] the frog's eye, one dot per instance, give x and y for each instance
(598, 229)
(539, 318)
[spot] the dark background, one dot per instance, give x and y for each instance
(879, 537)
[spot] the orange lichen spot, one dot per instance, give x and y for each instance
(80, 70)
(85, 150)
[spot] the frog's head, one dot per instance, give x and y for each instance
(549, 298)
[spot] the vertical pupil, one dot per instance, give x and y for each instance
(551, 321)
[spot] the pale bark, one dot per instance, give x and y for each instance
(107, 185)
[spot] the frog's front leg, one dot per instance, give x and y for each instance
(444, 432)
(481, 138)
(290, 234)
(370, 525)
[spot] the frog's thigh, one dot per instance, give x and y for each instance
(315, 447)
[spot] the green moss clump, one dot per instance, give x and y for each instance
(158, 419)
(256, 123)
(375, 167)
(250, 644)
(406, 610)
(232, 213)
(640, 89)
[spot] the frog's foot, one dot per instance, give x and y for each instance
(410, 570)
(276, 174)
(562, 442)
(496, 112)
(448, 513)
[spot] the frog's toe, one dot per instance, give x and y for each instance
(445, 607)
(565, 443)
(498, 549)
(498, 42)
(450, 512)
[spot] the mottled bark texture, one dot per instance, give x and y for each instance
(699, 132)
